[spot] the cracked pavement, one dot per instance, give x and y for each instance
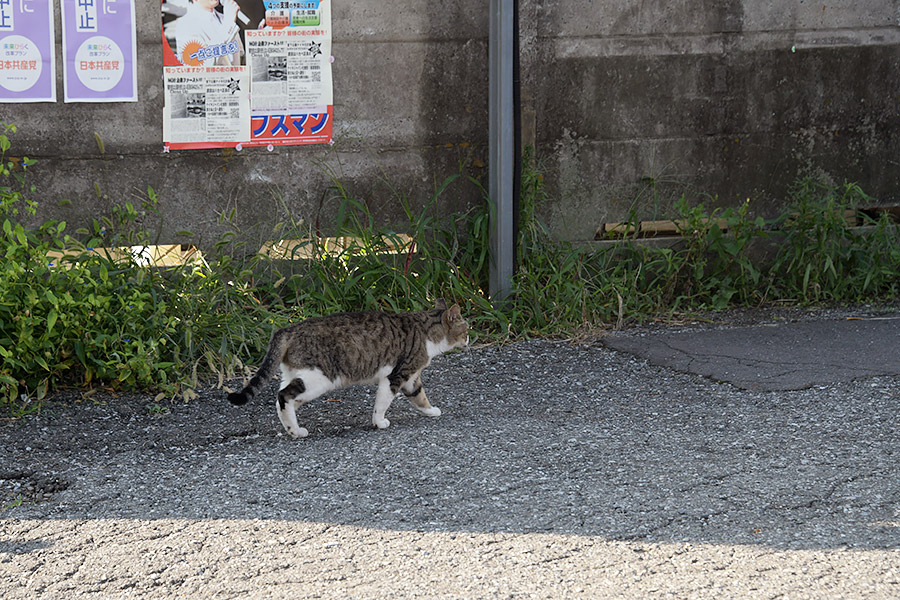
(778, 356)
(558, 470)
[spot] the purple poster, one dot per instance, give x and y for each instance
(27, 66)
(99, 51)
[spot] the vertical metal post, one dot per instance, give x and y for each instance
(502, 150)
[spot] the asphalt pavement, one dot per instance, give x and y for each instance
(732, 458)
(778, 356)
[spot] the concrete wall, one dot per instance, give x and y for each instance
(636, 103)
(628, 103)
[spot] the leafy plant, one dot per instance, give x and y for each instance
(89, 313)
(823, 257)
(85, 310)
(716, 254)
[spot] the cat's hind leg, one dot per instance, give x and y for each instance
(413, 390)
(287, 406)
(299, 386)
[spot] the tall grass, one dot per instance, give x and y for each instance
(825, 259)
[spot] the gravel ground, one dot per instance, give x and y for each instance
(557, 470)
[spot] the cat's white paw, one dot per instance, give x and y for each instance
(433, 411)
(299, 433)
(381, 423)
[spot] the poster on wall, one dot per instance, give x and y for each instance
(246, 73)
(206, 104)
(99, 51)
(27, 65)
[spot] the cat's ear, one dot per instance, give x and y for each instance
(441, 304)
(453, 314)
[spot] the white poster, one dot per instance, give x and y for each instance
(206, 104)
(290, 70)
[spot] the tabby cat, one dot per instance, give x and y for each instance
(324, 353)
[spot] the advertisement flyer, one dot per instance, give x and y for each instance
(99, 51)
(278, 54)
(27, 65)
(290, 74)
(206, 103)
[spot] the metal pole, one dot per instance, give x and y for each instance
(502, 150)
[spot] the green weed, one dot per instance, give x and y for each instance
(87, 318)
(18, 501)
(825, 258)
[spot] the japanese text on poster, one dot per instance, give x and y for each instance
(99, 51)
(27, 66)
(280, 53)
(206, 103)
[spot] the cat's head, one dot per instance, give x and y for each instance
(456, 328)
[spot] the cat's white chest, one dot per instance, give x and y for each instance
(435, 348)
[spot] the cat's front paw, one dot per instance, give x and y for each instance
(297, 433)
(381, 423)
(431, 411)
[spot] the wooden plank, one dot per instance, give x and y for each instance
(289, 249)
(876, 212)
(850, 216)
(160, 255)
(664, 227)
(613, 230)
(678, 226)
(308, 249)
(659, 228)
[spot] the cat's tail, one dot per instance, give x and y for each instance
(270, 363)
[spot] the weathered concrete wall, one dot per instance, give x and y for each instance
(636, 103)
(410, 110)
(628, 103)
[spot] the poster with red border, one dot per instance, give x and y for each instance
(242, 73)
